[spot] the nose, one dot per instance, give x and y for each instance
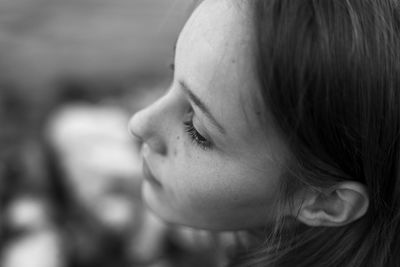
(146, 126)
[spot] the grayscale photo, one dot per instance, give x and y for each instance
(199, 133)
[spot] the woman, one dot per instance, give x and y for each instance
(282, 120)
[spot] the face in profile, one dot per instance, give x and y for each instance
(211, 154)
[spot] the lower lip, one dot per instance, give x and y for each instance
(149, 176)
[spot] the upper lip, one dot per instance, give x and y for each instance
(148, 175)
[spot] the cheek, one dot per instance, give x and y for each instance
(210, 187)
(175, 149)
(203, 186)
(208, 176)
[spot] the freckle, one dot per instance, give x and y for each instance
(233, 60)
(177, 138)
(258, 113)
(175, 152)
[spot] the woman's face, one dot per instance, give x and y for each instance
(211, 154)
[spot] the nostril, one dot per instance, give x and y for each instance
(158, 145)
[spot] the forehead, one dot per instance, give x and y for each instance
(219, 20)
(215, 55)
(219, 24)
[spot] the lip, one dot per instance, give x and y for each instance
(149, 176)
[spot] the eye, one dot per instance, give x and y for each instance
(195, 136)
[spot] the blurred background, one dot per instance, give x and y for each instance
(71, 74)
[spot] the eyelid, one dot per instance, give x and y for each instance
(195, 101)
(199, 138)
(201, 127)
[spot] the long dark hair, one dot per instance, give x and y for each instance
(330, 75)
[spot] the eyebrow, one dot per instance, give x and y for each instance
(200, 104)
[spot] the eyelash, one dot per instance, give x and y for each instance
(196, 137)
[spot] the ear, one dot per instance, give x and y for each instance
(343, 204)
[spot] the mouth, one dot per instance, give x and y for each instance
(148, 176)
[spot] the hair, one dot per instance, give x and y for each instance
(330, 75)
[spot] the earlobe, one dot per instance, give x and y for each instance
(343, 204)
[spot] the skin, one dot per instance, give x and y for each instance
(234, 183)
